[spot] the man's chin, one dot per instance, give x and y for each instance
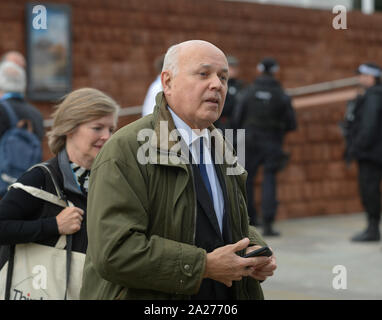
(207, 119)
(211, 120)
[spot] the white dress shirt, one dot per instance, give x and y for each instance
(191, 139)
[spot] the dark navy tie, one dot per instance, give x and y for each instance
(203, 170)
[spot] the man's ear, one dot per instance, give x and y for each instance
(166, 80)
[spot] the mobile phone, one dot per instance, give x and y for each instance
(264, 251)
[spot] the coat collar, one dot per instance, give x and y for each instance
(171, 150)
(70, 183)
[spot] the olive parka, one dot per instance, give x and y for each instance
(142, 215)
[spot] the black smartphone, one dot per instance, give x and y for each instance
(264, 251)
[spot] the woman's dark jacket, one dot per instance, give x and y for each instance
(24, 218)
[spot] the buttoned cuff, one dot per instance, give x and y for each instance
(191, 268)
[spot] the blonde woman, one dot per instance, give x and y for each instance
(82, 123)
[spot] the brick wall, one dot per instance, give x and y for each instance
(116, 41)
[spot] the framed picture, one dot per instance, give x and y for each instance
(48, 51)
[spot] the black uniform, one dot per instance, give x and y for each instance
(266, 113)
(225, 120)
(365, 146)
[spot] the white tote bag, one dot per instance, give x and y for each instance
(42, 272)
(39, 273)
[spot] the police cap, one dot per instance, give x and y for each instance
(268, 65)
(370, 69)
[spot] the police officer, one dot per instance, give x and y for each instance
(366, 148)
(266, 113)
(234, 87)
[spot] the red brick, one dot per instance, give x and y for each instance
(316, 207)
(316, 133)
(315, 171)
(292, 173)
(336, 170)
(298, 209)
(335, 206)
(296, 153)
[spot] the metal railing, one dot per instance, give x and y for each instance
(323, 86)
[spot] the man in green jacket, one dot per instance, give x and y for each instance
(163, 222)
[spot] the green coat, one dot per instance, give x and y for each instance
(141, 220)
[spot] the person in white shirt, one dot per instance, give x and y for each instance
(154, 89)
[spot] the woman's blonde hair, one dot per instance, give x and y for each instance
(80, 106)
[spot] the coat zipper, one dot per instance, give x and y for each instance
(195, 205)
(168, 153)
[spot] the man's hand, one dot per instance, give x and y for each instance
(265, 270)
(224, 265)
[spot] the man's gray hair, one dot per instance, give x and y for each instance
(171, 58)
(170, 62)
(12, 77)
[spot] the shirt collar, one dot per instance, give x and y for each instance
(189, 135)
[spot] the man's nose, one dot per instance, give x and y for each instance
(216, 82)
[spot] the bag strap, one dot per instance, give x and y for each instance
(69, 243)
(45, 166)
(10, 112)
(39, 193)
(69, 237)
(9, 272)
(63, 240)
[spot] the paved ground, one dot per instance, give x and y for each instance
(310, 248)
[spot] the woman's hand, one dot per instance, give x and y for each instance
(69, 220)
